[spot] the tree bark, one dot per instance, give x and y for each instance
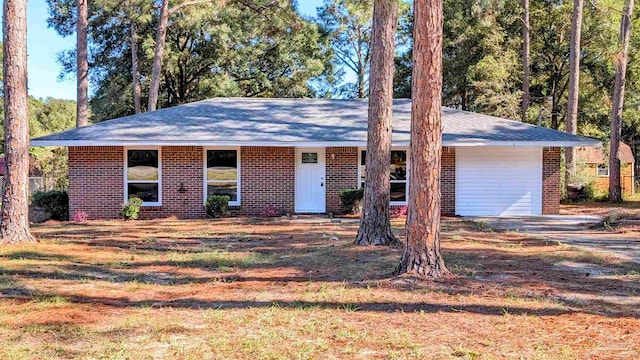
(156, 69)
(135, 73)
(525, 60)
(574, 85)
(421, 254)
(82, 117)
(375, 225)
(620, 63)
(14, 223)
(361, 76)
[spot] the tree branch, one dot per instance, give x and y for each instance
(189, 3)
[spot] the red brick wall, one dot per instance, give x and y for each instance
(96, 182)
(96, 178)
(550, 181)
(342, 173)
(448, 181)
(268, 179)
(180, 164)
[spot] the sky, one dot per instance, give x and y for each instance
(44, 44)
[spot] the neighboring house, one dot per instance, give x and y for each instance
(296, 154)
(597, 165)
(36, 181)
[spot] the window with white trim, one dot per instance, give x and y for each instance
(398, 175)
(143, 176)
(222, 175)
(603, 170)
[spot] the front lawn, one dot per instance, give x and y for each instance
(262, 289)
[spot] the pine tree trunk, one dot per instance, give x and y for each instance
(574, 85)
(555, 114)
(82, 117)
(525, 60)
(421, 255)
(361, 76)
(135, 73)
(156, 69)
(375, 225)
(14, 223)
(620, 63)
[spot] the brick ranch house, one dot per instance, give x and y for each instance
(295, 155)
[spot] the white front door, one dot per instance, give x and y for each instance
(310, 180)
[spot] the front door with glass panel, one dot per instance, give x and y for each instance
(310, 180)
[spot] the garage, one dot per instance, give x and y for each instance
(498, 181)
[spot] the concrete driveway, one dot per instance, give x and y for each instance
(570, 230)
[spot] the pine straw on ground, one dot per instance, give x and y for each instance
(276, 289)
(618, 218)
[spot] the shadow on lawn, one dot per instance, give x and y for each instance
(193, 303)
(282, 255)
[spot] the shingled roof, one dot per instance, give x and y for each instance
(297, 122)
(597, 156)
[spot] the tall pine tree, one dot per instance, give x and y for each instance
(14, 221)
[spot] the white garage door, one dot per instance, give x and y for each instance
(498, 181)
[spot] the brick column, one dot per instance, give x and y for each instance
(448, 181)
(551, 181)
(341, 173)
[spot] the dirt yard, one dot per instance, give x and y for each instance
(279, 289)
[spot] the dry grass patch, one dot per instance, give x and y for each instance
(279, 289)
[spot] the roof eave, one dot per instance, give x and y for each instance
(454, 143)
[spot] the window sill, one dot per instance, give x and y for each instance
(398, 203)
(231, 205)
(150, 206)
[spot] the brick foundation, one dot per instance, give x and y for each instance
(551, 181)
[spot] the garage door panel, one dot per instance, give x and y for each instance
(498, 181)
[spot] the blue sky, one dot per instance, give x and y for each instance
(44, 44)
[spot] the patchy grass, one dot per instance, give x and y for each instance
(620, 218)
(280, 289)
(602, 208)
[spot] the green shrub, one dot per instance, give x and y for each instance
(586, 177)
(217, 206)
(350, 200)
(131, 209)
(53, 202)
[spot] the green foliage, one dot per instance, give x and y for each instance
(348, 24)
(482, 62)
(266, 49)
(480, 57)
(131, 209)
(586, 176)
(53, 202)
(254, 49)
(217, 206)
(47, 116)
(350, 200)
